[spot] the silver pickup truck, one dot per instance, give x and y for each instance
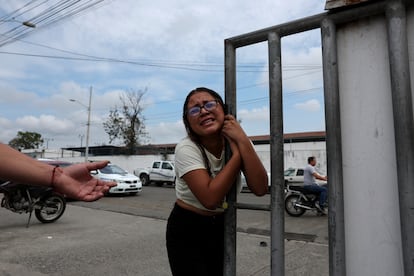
(160, 172)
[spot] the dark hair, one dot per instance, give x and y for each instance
(213, 93)
(193, 136)
(310, 159)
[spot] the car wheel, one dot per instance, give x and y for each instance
(144, 179)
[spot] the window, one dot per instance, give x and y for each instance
(289, 172)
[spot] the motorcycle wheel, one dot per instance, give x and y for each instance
(291, 208)
(53, 207)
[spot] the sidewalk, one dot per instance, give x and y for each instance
(94, 242)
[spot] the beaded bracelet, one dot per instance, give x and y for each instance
(52, 182)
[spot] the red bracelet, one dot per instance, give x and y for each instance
(52, 182)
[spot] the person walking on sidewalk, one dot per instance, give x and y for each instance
(195, 227)
(309, 177)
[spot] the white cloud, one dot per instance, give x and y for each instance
(303, 69)
(48, 123)
(166, 133)
(163, 33)
(254, 121)
(311, 106)
(254, 115)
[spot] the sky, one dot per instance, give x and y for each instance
(165, 48)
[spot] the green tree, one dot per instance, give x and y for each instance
(127, 122)
(26, 140)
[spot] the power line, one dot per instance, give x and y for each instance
(12, 14)
(59, 11)
(190, 67)
(173, 115)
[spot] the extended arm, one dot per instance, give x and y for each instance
(320, 177)
(74, 181)
(211, 191)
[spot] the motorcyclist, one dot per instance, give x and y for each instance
(309, 177)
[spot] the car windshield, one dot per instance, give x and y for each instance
(113, 169)
(289, 172)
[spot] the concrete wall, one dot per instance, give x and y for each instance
(129, 163)
(372, 221)
(296, 155)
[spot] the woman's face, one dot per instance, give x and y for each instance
(206, 122)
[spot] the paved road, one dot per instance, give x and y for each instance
(126, 236)
(156, 202)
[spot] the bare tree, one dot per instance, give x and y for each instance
(127, 122)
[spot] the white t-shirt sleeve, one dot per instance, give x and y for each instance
(188, 157)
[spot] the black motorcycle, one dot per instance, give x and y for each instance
(47, 205)
(298, 200)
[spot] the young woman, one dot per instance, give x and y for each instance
(195, 227)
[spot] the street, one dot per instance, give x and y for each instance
(125, 235)
(157, 202)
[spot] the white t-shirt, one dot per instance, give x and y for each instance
(308, 177)
(188, 157)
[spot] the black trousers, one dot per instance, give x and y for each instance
(195, 243)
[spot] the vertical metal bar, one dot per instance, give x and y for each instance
(230, 227)
(277, 159)
(403, 124)
(336, 222)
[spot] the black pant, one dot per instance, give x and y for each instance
(195, 243)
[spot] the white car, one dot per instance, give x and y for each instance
(126, 183)
(295, 176)
(244, 183)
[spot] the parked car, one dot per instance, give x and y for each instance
(293, 175)
(126, 183)
(245, 188)
(54, 162)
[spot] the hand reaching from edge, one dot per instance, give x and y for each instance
(76, 181)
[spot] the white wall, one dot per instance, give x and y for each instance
(129, 163)
(372, 225)
(296, 155)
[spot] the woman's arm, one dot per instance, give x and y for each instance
(252, 167)
(211, 191)
(74, 181)
(18, 167)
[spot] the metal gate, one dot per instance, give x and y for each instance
(395, 14)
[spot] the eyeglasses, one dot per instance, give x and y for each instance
(196, 110)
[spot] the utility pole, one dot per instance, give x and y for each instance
(88, 125)
(81, 138)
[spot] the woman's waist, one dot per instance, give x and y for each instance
(196, 210)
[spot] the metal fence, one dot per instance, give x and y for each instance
(395, 14)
